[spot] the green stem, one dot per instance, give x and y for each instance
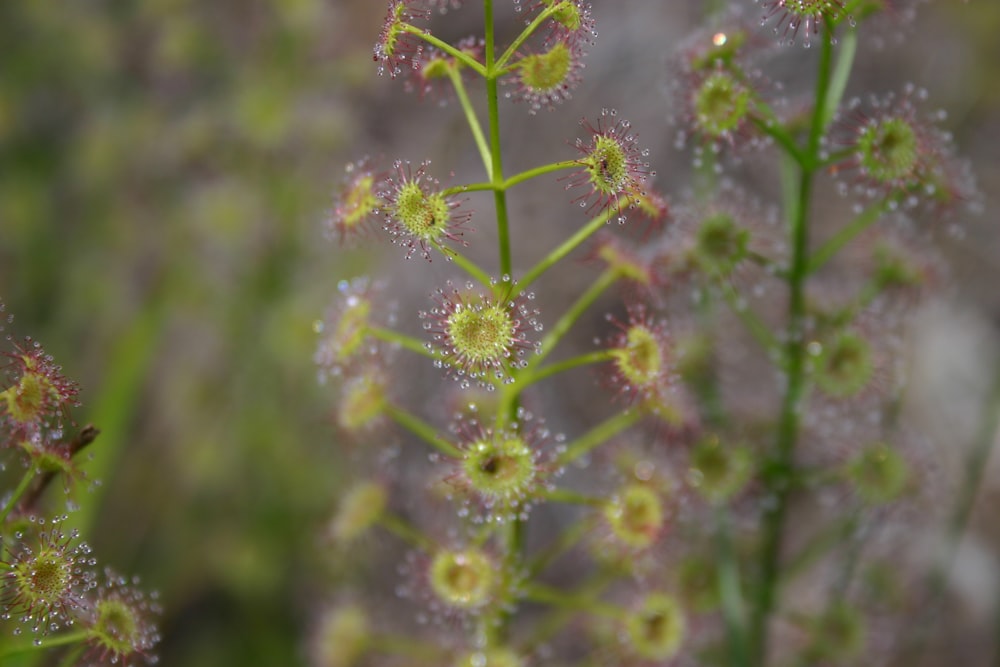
(600, 434)
(127, 369)
(595, 357)
(845, 235)
(568, 246)
(565, 541)
(539, 171)
(468, 187)
(821, 115)
(565, 323)
(772, 128)
(766, 263)
(72, 657)
(841, 74)
(405, 531)
(733, 612)
(536, 592)
(22, 487)
(412, 649)
(570, 497)
(779, 469)
(559, 617)
(510, 182)
(513, 540)
(513, 535)
(819, 545)
(835, 158)
(853, 545)
(464, 263)
(569, 318)
(421, 429)
(458, 55)
(402, 340)
(472, 119)
(975, 467)
(496, 176)
(751, 321)
(45, 643)
(972, 479)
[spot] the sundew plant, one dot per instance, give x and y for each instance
(54, 599)
(739, 489)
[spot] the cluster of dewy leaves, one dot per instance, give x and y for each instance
(731, 248)
(719, 95)
(409, 203)
(35, 397)
(499, 459)
(48, 582)
(900, 156)
(851, 292)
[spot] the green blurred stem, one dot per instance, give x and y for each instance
(564, 324)
(853, 545)
(595, 357)
(472, 119)
(733, 611)
(766, 263)
(867, 294)
(779, 471)
(583, 602)
(835, 158)
(72, 657)
(848, 46)
(126, 372)
(405, 646)
(560, 616)
(975, 467)
(402, 340)
(570, 317)
(405, 531)
(458, 55)
(600, 434)
(565, 541)
(45, 643)
(422, 429)
(22, 487)
(513, 539)
(845, 235)
(465, 264)
(852, 7)
(771, 126)
(569, 245)
(570, 497)
(751, 320)
(820, 544)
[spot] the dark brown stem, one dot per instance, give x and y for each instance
(69, 449)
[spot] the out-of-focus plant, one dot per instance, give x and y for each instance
(753, 367)
(52, 593)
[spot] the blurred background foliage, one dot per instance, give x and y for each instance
(165, 166)
(164, 170)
